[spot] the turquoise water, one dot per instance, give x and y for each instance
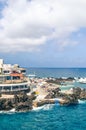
(53, 118)
(56, 118)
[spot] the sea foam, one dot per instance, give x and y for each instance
(82, 101)
(44, 107)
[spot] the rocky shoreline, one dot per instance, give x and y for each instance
(25, 102)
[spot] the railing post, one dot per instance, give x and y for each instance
(11, 88)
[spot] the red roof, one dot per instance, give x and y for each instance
(16, 74)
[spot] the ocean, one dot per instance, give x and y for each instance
(49, 117)
(57, 72)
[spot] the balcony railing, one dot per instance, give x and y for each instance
(13, 81)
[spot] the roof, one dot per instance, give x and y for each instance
(16, 74)
(21, 68)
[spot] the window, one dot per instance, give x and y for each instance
(15, 87)
(25, 86)
(6, 88)
(22, 86)
(6, 71)
(0, 88)
(8, 77)
(23, 71)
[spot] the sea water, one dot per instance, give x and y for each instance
(50, 117)
(57, 72)
(55, 118)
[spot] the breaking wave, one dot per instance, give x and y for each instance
(82, 101)
(44, 107)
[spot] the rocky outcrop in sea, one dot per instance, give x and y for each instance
(21, 102)
(24, 102)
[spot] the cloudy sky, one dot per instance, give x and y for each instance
(43, 33)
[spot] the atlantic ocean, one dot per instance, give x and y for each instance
(52, 117)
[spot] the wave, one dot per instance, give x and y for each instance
(82, 101)
(44, 107)
(8, 112)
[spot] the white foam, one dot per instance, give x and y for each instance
(48, 106)
(8, 112)
(82, 101)
(44, 107)
(12, 110)
(37, 108)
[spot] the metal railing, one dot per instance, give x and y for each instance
(13, 81)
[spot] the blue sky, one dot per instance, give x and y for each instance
(40, 33)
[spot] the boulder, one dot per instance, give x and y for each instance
(32, 96)
(69, 100)
(77, 91)
(23, 102)
(83, 94)
(2, 101)
(54, 93)
(21, 97)
(70, 78)
(23, 106)
(6, 104)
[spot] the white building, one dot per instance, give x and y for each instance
(12, 78)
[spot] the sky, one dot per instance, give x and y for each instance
(43, 33)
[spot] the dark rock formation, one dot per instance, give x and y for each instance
(23, 106)
(21, 102)
(77, 91)
(69, 100)
(6, 104)
(70, 78)
(66, 98)
(59, 81)
(54, 93)
(22, 97)
(83, 94)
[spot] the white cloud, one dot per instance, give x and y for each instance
(26, 24)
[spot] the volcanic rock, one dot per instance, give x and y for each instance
(83, 94)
